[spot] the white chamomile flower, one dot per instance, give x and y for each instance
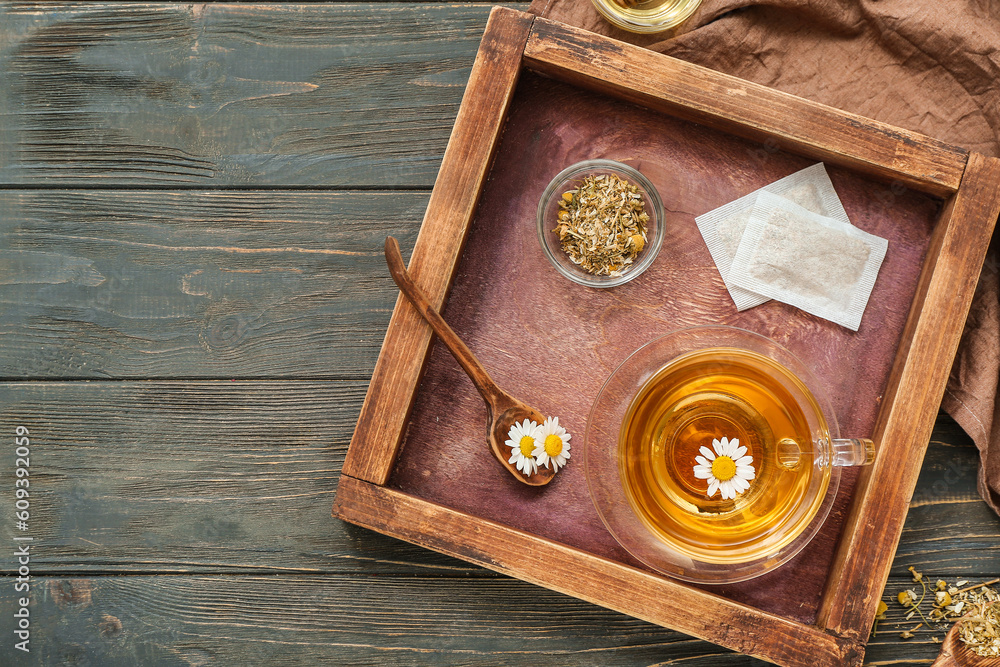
(728, 469)
(522, 439)
(553, 445)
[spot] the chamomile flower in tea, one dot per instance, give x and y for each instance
(522, 439)
(553, 445)
(602, 224)
(728, 469)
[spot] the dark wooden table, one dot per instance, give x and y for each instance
(192, 299)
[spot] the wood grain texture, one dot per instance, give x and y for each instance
(138, 94)
(187, 522)
(438, 248)
(186, 476)
(223, 477)
(948, 527)
(588, 577)
(367, 620)
(744, 108)
(183, 501)
(916, 387)
(119, 284)
(334, 620)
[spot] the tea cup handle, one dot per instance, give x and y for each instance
(852, 452)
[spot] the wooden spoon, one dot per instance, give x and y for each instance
(502, 409)
(956, 653)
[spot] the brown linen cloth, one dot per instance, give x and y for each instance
(932, 66)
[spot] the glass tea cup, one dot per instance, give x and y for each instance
(713, 455)
(646, 16)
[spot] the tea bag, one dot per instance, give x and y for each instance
(817, 263)
(722, 228)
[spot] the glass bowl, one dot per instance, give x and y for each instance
(701, 538)
(569, 179)
(646, 16)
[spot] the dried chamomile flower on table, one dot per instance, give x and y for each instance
(975, 608)
(602, 224)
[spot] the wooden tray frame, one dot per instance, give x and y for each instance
(970, 186)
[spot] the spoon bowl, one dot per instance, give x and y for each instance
(500, 426)
(502, 409)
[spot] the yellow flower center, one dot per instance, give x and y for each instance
(723, 468)
(553, 445)
(527, 445)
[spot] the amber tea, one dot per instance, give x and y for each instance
(642, 5)
(646, 16)
(717, 455)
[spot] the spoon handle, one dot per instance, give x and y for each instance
(489, 389)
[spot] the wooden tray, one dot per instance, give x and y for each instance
(542, 96)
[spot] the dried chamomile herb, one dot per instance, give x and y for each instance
(976, 609)
(980, 627)
(602, 224)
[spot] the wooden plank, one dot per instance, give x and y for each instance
(157, 440)
(949, 529)
(744, 108)
(603, 582)
(311, 620)
(876, 518)
(100, 283)
(185, 500)
(137, 94)
(237, 477)
(363, 620)
(438, 248)
(960, 535)
(182, 477)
